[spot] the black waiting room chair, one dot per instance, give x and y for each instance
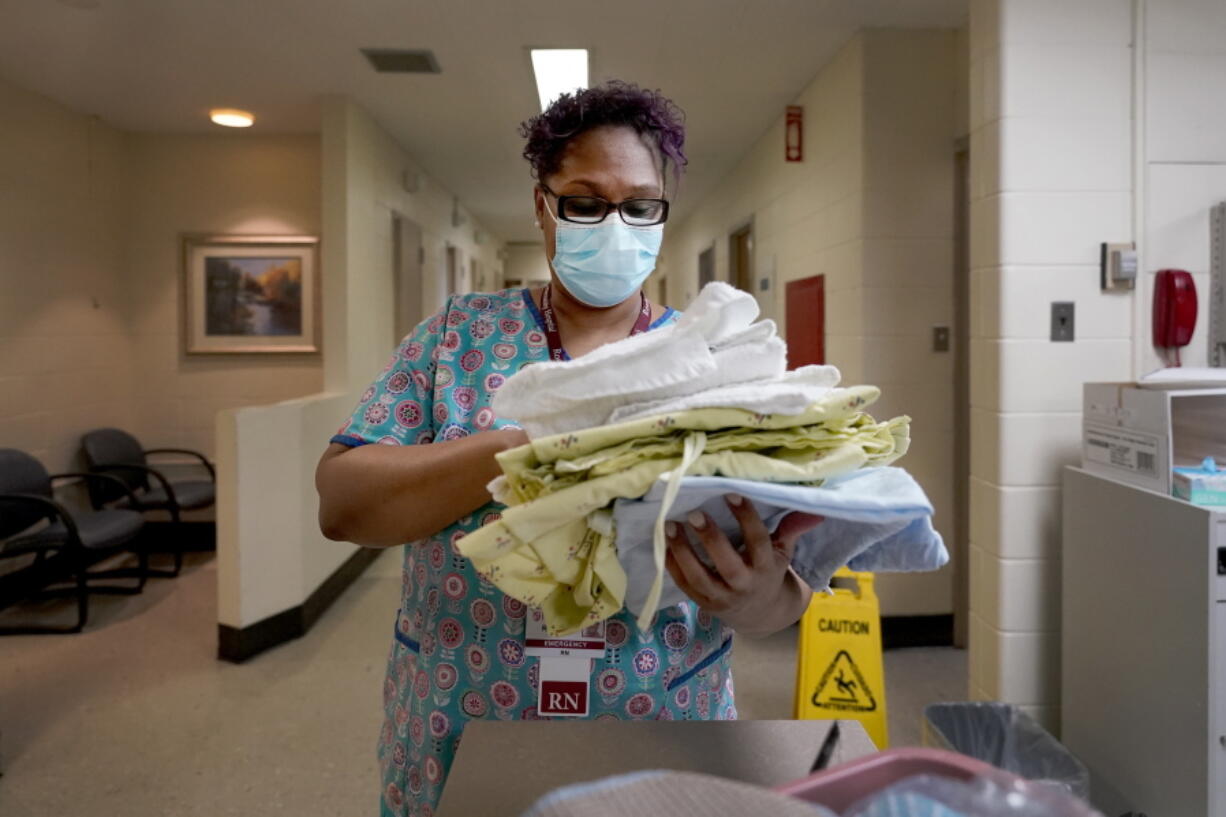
(60, 552)
(118, 453)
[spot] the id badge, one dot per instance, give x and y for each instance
(587, 643)
(564, 689)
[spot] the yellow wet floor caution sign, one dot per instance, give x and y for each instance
(839, 671)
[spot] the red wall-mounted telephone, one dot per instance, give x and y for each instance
(1174, 309)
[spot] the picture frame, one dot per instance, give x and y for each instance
(251, 294)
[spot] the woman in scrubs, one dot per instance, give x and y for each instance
(412, 462)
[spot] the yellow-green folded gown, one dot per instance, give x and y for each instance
(553, 547)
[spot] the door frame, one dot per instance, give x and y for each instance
(962, 392)
(734, 272)
(408, 275)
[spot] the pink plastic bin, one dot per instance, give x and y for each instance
(840, 787)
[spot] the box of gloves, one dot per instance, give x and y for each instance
(1139, 435)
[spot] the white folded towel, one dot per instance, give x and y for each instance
(791, 393)
(714, 344)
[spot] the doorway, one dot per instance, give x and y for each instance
(475, 278)
(408, 260)
(806, 321)
(962, 393)
(740, 258)
(706, 266)
(453, 270)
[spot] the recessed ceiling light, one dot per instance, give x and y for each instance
(402, 61)
(558, 71)
(231, 118)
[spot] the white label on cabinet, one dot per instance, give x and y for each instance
(1119, 448)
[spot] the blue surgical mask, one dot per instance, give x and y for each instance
(604, 264)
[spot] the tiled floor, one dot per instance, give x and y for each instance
(136, 717)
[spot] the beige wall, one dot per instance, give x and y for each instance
(90, 319)
(65, 349)
(271, 555)
(871, 208)
(806, 215)
(364, 169)
(906, 284)
(231, 183)
(526, 262)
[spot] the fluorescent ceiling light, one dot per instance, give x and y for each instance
(231, 118)
(558, 71)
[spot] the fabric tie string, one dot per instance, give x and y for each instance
(695, 444)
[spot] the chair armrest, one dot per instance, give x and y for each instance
(104, 477)
(51, 510)
(203, 459)
(145, 469)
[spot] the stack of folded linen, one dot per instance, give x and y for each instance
(666, 428)
(714, 355)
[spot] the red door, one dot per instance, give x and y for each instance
(806, 316)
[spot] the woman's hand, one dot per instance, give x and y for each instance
(754, 592)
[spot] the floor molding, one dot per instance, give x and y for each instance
(917, 631)
(157, 536)
(237, 644)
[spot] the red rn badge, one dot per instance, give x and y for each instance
(563, 698)
(563, 687)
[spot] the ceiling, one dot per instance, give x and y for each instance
(159, 65)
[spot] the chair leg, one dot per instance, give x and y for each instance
(81, 591)
(176, 549)
(82, 599)
(140, 573)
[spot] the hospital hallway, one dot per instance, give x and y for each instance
(137, 718)
(895, 329)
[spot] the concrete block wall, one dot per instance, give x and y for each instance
(871, 209)
(1184, 170)
(66, 360)
(1051, 178)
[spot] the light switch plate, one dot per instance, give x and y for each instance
(940, 338)
(1062, 321)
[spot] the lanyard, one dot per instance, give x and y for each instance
(552, 336)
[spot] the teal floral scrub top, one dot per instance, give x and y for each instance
(458, 647)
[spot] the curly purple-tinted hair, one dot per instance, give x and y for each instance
(652, 115)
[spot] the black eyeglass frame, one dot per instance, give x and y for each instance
(609, 207)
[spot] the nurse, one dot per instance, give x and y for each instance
(412, 462)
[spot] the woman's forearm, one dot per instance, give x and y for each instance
(385, 495)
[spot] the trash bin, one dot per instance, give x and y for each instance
(1009, 739)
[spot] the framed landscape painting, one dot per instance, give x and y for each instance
(251, 294)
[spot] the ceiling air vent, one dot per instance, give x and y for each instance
(401, 61)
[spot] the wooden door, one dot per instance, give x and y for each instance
(408, 284)
(806, 318)
(740, 257)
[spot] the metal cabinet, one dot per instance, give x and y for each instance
(1143, 648)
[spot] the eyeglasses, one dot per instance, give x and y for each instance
(593, 209)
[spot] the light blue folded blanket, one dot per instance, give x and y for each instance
(877, 519)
